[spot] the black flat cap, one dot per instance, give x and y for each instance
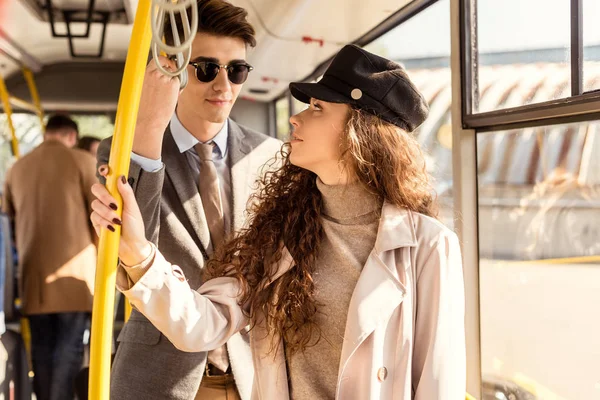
(371, 83)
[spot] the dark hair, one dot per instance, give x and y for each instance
(85, 143)
(61, 124)
(219, 18)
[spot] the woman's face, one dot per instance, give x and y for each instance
(317, 138)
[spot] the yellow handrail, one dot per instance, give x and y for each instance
(34, 94)
(8, 111)
(564, 260)
(551, 261)
(22, 104)
(104, 296)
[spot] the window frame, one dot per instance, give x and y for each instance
(585, 106)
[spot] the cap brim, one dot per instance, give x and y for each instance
(304, 91)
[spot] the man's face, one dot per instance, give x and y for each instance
(212, 101)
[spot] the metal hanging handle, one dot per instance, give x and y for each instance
(181, 51)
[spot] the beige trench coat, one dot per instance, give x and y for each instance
(404, 334)
(48, 193)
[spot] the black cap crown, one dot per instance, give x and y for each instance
(371, 83)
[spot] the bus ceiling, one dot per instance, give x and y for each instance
(307, 33)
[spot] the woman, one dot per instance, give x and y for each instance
(351, 287)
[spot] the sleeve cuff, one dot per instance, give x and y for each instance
(135, 272)
(147, 164)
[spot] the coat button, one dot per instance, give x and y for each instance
(382, 374)
(130, 181)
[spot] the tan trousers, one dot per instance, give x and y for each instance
(217, 388)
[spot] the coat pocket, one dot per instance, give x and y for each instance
(141, 332)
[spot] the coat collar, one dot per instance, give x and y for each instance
(380, 288)
(396, 229)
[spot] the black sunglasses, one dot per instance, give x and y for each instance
(207, 71)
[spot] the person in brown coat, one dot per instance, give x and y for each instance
(48, 198)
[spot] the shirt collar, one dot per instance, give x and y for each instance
(185, 140)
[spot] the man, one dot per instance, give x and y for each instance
(192, 171)
(48, 196)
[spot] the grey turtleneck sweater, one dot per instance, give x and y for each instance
(350, 222)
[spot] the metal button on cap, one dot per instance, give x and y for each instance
(382, 374)
(356, 94)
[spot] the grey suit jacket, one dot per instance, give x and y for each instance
(147, 366)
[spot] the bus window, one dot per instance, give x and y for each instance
(539, 252)
(506, 38)
(591, 45)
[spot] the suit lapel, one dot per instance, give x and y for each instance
(186, 187)
(240, 169)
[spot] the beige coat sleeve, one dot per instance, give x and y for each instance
(439, 360)
(192, 320)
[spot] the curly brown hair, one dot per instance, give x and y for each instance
(286, 211)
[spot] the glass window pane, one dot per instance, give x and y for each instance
(427, 61)
(539, 223)
(591, 45)
(99, 126)
(523, 58)
(282, 112)
(29, 135)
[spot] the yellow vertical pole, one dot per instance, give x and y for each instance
(35, 97)
(127, 310)
(104, 297)
(26, 336)
(8, 112)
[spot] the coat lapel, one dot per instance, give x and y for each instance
(241, 170)
(379, 290)
(186, 187)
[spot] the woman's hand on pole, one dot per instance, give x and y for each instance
(134, 247)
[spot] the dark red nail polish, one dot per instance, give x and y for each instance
(117, 221)
(124, 180)
(113, 206)
(111, 228)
